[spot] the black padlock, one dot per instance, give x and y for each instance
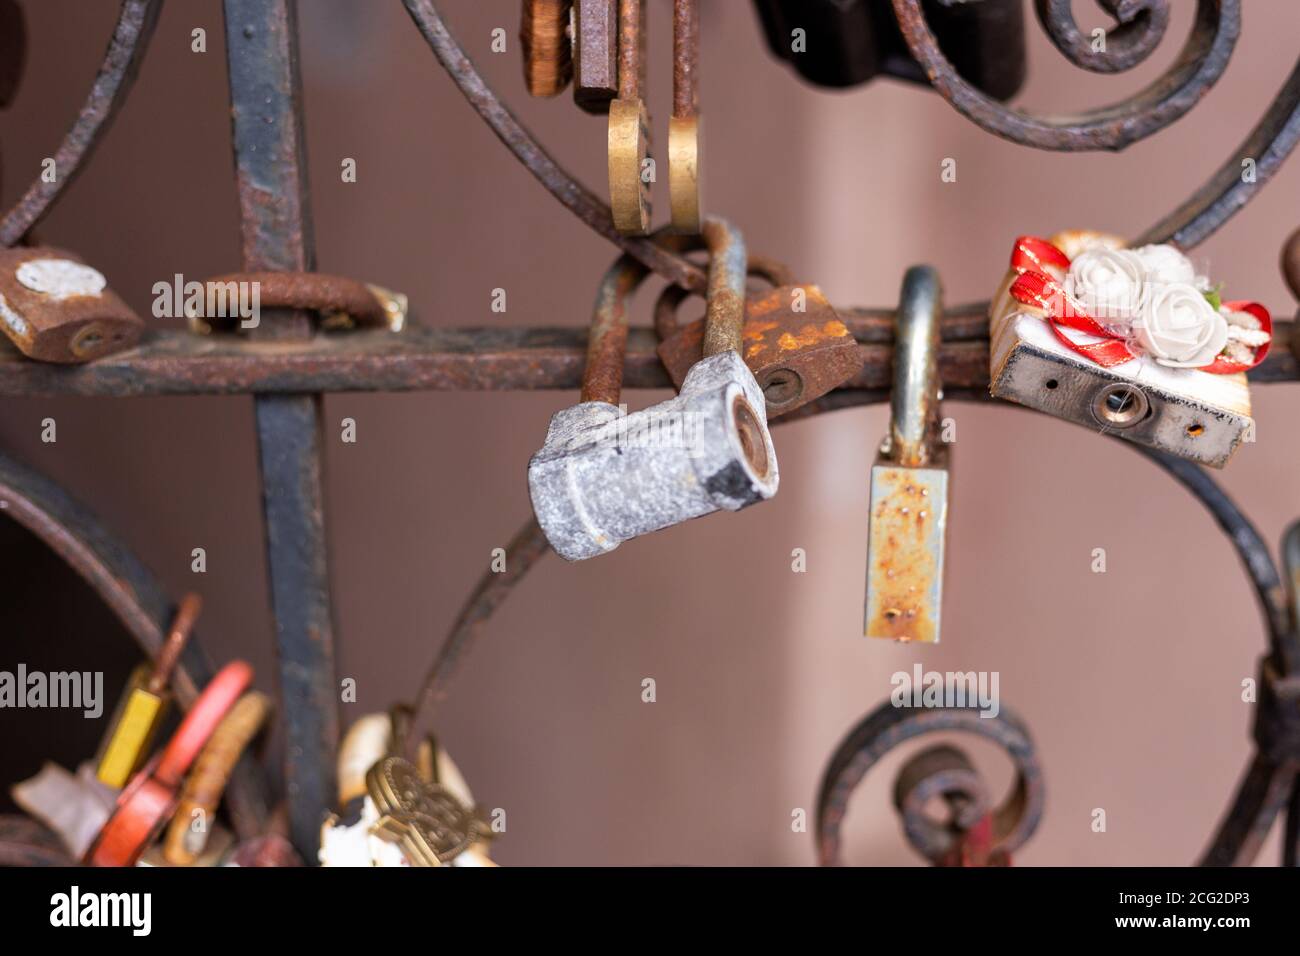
(847, 42)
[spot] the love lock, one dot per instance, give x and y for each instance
(909, 482)
(794, 341)
(605, 476)
(55, 308)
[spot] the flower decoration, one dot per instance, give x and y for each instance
(1134, 303)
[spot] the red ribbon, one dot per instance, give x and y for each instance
(1033, 259)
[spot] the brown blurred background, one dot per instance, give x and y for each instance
(1135, 708)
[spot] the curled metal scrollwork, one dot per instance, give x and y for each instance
(1139, 27)
(1200, 64)
(1014, 820)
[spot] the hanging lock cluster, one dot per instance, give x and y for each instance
(114, 811)
(600, 46)
(402, 802)
(604, 475)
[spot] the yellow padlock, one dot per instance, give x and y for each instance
(142, 708)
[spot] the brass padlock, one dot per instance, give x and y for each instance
(793, 341)
(909, 482)
(628, 143)
(143, 706)
(55, 308)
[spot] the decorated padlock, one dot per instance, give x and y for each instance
(1132, 342)
(55, 308)
(908, 514)
(400, 812)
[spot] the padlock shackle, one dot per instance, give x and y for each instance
(686, 58)
(725, 318)
(169, 654)
(914, 403)
(602, 378)
(760, 266)
(631, 48)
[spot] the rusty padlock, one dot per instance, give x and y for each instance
(909, 482)
(604, 476)
(56, 308)
(793, 340)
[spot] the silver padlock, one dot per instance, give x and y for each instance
(909, 482)
(605, 476)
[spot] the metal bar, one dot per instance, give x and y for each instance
(270, 158)
(1260, 797)
(468, 359)
(131, 34)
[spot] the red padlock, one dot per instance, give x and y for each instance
(149, 800)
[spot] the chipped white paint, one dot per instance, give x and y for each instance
(61, 278)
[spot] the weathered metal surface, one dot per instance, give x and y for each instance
(629, 127)
(523, 551)
(1139, 28)
(475, 359)
(55, 308)
(684, 124)
(724, 318)
(1200, 64)
(548, 63)
(1014, 820)
(572, 194)
(905, 549)
(795, 356)
(271, 175)
(1205, 419)
(1267, 146)
(131, 592)
(602, 378)
(908, 511)
(939, 773)
(604, 476)
(135, 25)
(595, 54)
(340, 301)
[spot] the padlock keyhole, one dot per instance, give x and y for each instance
(782, 387)
(1120, 405)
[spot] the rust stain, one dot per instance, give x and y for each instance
(902, 564)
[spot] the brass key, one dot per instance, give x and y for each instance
(141, 710)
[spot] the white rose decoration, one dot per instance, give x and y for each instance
(1110, 285)
(1165, 265)
(1179, 328)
